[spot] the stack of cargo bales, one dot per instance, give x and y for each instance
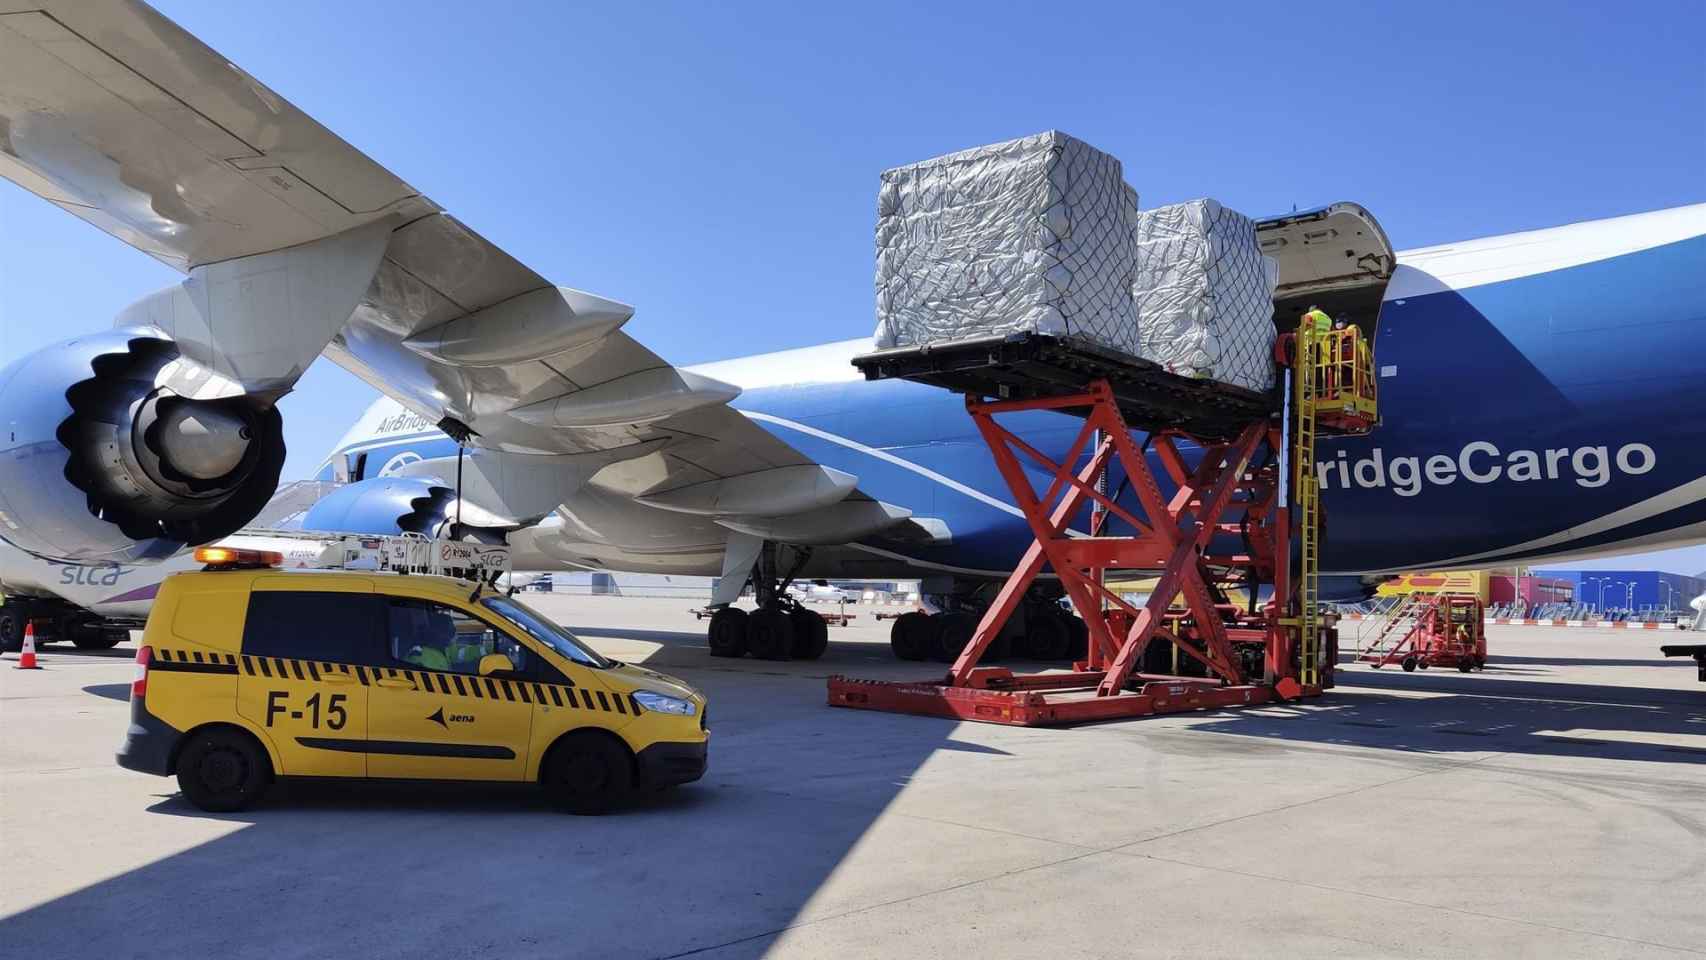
(1033, 235)
(1204, 294)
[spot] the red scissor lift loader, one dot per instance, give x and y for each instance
(1450, 631)
(1239, 467)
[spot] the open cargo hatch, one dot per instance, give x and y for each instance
(1335, 257)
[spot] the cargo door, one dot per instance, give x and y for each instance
(1336, 257)
(299, 675)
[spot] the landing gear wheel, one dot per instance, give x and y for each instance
(908, 635)
(1410, 663)
(588, 774)
(12, 621)
(1465, 665)
(811, 633)
(770, 634)
(727, 635)
(92, 636)
(1421, 664)
(953, 633)
(223, 771)
(1048, 637)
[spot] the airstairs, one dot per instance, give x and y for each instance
(1400, 620)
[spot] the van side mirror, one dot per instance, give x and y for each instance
(495, 663)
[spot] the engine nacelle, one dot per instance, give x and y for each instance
(102, 463)
(393, 505)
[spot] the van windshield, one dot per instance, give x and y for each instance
(542, 629)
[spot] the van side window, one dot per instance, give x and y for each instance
(330, 627)
(432, 636)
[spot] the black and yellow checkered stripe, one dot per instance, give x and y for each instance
(563, 695)
(191, 661)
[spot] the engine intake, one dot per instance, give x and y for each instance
(114, 467)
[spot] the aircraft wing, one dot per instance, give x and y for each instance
(118, 116)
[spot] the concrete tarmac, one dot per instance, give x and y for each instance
(1553, 806)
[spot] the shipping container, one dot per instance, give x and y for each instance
(1437, 581)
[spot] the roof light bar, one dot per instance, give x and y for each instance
(231, 558)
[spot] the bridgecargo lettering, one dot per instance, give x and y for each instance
(1483, 462)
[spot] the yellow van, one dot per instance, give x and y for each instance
(247, 673)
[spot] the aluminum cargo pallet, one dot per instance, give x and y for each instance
(1032, 366)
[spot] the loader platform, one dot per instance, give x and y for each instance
(1033, 366)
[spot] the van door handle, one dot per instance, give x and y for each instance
(332, 676)
(395, 683)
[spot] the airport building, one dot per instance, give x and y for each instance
(1631, 589)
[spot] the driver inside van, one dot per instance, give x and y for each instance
(422, 638)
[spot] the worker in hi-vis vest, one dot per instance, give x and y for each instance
(1318, 324)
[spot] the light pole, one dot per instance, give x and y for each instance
(1600, 606)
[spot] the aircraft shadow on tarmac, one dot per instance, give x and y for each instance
(409, 869)
(1482, 713)
(1673, 662)
(730, 861)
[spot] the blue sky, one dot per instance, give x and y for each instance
(716, 165)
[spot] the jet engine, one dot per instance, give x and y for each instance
(393, 505)
(101, 462)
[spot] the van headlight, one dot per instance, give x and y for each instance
(663, 703)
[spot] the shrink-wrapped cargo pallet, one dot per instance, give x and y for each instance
(1204, 294)
(1032, 235)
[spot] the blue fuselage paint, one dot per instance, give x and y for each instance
(1512, 412)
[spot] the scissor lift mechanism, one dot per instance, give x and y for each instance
(1280, 650)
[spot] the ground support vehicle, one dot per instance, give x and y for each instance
(1695, 650)
(1250, 459)
(1446, 630)
(247, 673)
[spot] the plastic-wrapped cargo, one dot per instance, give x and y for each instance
(1030, 235)
(1204, 294)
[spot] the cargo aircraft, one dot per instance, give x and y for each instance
(1539, 392)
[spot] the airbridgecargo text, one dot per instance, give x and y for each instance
(1483, 462)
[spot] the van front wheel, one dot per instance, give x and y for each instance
(588, 773)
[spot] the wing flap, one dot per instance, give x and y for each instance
(120, 117)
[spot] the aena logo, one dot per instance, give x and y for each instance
(1483, 462)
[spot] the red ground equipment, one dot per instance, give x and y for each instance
(1236, 469)
(1449, 631)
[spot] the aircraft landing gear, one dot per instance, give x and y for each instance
(1046, 632)
(780, 629)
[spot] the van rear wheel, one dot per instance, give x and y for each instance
(587, 773)
(223, 771)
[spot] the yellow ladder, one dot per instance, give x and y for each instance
(1307, 486)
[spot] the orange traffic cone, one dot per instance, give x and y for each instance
(27, 659)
